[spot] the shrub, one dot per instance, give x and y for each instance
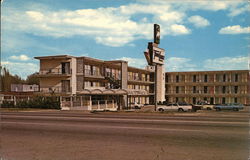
(35, 102)
(7, 104)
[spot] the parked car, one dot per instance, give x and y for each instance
(174, 107)
(136, 105)
(204, 106)
(230, 106)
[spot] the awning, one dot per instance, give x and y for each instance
(113, 92)
(105, 91)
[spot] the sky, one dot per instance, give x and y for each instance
(196, 35)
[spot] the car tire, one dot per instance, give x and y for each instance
(180, 110)
(137, 107)
(161, 110)
(218, 109)
(208, 108)
(236, 109)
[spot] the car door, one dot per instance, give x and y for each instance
(174, 107)
(168, 107)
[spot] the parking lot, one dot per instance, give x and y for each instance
(143, 135)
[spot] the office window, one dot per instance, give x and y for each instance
(205, 78)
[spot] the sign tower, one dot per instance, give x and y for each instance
(155, 57)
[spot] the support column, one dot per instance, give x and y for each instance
(90, 103)
(71, 101)
(124, 83)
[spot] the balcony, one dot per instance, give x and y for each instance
(92, 74)
(54, 72)
(139, 80)
(55, 89)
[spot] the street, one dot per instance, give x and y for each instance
(59, 135)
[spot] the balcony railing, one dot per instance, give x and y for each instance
(57, 89)
(94, 73)
(56, 71)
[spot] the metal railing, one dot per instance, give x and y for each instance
(57, 89)
(54, 71)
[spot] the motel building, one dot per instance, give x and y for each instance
(85, 83)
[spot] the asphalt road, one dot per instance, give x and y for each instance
(58, 135)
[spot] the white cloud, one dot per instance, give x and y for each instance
(37, 16)
(115, 26)
(135, 62)
(237, 29)
(179, 64)
(198, 21)
(239, 10)
(21, 69)
(22, 57)
(179, 29)
(227, 63)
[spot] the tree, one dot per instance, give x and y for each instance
(7, 79)
(32, 79)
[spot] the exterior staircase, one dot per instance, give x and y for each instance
(114, 82)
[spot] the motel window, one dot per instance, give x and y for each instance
(235, 100)
(194, 89)
(236, 78)
(87, 69)
(177, 78)
(224, 77)
(143, 77)
(205, 89)
(177, 89)
(166, 78)
(96, 70)
(194, 100)
(223, 89)
(205, 78)
(235, 89)
(194, 78)
(87, 84)
(223, 100)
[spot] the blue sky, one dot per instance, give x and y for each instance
(197, 35)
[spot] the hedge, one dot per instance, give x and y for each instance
(35, 102)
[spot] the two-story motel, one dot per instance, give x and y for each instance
(85, 83)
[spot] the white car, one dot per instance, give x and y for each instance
(136, 105)
(175, 107)
(204, 106)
